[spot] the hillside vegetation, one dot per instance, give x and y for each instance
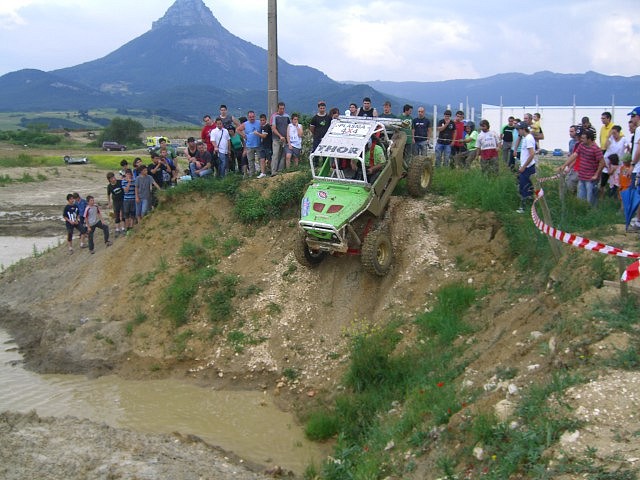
(480, 354)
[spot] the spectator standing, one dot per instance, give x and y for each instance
(458, 145)
(71, 216)
(251, 130)
(129, 201)
(591, 165)
(115, 197)
(487, 145)
(94, 221)
(265, 145)
(506, 137)
(279, 123)
(605, 130)
(352, 111)
(205, 134)
(367, 110)
(319, 124)
(466, 157)
(228, 121)
(421, 132)
(221, 146)
(144, 197)
(236, 153)
(635, 158)
(82, 206)
(294, 141)
(446, 129)
(386, 110)
(527, 164)
(616, 145)
(407, 128)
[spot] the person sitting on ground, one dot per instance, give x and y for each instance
(71, 216)
(93, 219)
(202, 164)
(172, 167)
(191, 150)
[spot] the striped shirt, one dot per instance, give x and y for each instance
(590, 158)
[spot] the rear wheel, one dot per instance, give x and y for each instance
(305, 256)
(419, 176)
(377, 253)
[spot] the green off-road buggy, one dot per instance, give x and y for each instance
(344, 210)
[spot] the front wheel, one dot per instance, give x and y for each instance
(305, 256)
(377, 253)
(419, 176)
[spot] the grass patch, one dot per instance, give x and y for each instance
(417, 380)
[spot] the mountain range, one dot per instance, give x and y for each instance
(188, 64)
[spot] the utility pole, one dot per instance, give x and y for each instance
(272, 56)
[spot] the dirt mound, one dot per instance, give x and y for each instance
(69, 313)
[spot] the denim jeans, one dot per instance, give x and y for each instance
(420, 148)
(588, 190)
(222, 164)
(440, 150)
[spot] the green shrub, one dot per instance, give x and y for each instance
(321, 426)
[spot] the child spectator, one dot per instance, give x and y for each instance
(144, 197)
(82, 205)
(625, 173)
(294, 141)
(71, 215)
(115, 193)
(614, 176)
(93, 219)
(129, 201)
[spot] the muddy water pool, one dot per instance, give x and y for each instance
(245, 422)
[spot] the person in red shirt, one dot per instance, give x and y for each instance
(206, 131)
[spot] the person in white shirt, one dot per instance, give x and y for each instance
(220, 140)
(294, 141)
(527, 164)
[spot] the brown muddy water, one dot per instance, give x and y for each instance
(244, 422)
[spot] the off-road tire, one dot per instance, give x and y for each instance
(419, 176)
(67, 159)
(304, 255)
(377, 252)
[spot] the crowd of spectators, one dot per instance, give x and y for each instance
(597, 165)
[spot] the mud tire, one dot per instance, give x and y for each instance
(377, 252)
(304, 255)
(419, 176)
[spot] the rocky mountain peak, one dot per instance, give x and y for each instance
(187, 13)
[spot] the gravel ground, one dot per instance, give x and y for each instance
(70, 449)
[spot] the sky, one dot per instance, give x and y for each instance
(358, 40)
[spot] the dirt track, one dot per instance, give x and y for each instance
(434, 243)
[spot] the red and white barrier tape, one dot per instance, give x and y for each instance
(632, 272)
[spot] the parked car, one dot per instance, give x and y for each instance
(68, 159)
(108, 146)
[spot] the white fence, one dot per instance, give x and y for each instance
(555, 121)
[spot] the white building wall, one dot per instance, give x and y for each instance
(556, 120)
